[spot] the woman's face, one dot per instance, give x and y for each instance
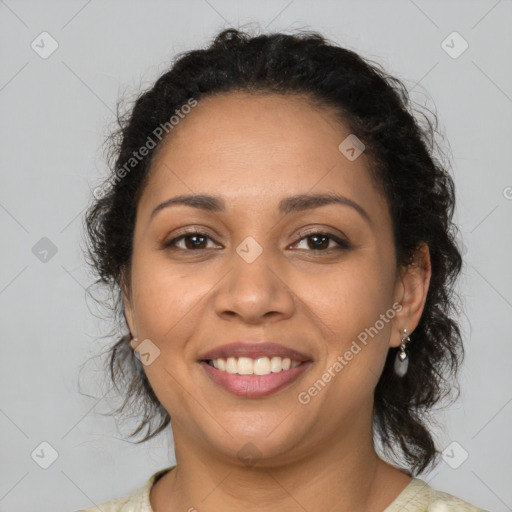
(269, 266)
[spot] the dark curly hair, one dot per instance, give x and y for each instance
(407, 164)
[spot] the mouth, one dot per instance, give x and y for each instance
(248, 366)
(254, 370)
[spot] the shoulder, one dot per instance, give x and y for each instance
(418, 496)
(135, 502)
(117, 505)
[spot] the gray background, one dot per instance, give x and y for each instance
(55, 114)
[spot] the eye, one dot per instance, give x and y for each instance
(321, 241)
(193, 240)
(197, 240)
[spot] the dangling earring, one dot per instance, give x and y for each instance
(401, 360)
(133, 342)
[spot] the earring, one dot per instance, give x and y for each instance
(133, 342)
(401, 360)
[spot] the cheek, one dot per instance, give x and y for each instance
(166, 306)
(350, 297)
(348, 305)
(163, 297)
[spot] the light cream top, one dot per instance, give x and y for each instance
(418, 496)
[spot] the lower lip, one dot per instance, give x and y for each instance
(254, 386)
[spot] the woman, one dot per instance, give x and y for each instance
(279, 233)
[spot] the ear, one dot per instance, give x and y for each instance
(127, 302)
(411, 292)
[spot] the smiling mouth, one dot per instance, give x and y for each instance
(240, 377)
(249, 366)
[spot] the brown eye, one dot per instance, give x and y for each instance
(195, 242)
(318, 242)
(192, 241)
(323, 242)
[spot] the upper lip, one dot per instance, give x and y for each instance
(254, 351)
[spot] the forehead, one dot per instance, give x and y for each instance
(254, 147)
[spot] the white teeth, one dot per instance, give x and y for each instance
(245, 366)
(260, 366)
(231, 365)
(276, 364)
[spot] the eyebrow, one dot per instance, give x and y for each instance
(297, 203)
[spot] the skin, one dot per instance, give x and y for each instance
(253, 151)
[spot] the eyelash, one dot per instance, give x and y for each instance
(342, 244)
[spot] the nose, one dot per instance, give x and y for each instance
(255, 292)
